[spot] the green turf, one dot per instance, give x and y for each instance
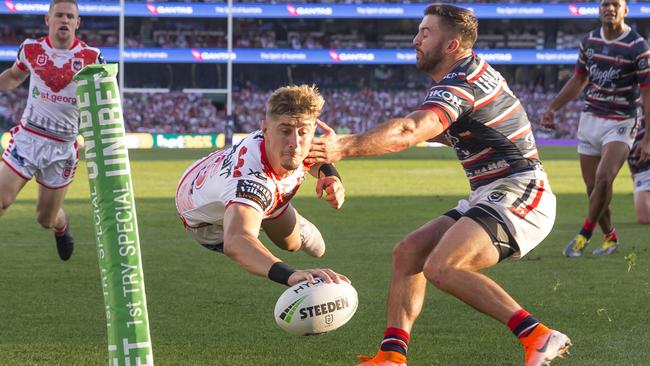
(206, 311)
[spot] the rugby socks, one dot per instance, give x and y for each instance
(61, 231)
(395, 340)
(522, 323)
(611, 235)
(587, 229)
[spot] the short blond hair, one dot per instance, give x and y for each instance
(73, 2)
(295, 100)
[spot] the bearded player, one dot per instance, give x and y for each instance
(510, 210)
(43, 145)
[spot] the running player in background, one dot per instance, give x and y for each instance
(226, 198)
(43, 144)
(510, 210)
(640, 169)
(613, 62)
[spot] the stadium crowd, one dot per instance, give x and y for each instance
(347, 110)
(184, 38)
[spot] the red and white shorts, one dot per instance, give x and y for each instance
(31, 154)
(524, 203)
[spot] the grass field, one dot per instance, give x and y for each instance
(204, 310)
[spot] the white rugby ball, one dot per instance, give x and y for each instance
(315, 308)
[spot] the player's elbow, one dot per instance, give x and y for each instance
(230, 248)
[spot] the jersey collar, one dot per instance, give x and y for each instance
(608, 41)
(74, 43)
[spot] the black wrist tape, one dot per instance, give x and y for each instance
(280, 273)
(329, 170)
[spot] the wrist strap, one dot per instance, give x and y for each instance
(280, 273)
(329, 170)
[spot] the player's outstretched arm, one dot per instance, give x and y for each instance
(11, 78)
(569, 91)
(329, 182)
(241, 228)
(395, 135)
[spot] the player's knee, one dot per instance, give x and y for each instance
(439, 272)
(405, 254)
(605, 178)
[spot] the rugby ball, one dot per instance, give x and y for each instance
(315, 308)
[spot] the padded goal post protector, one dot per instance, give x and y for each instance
(114, 216)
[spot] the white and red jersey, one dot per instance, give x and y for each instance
(241, 174)
(52, 101)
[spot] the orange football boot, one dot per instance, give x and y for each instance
(543, 345)
(383, 358)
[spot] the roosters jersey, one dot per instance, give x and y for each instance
(484, 122)
(616, 68)
(241, 174)
(52, 100)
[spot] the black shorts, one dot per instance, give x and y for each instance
(494, 225)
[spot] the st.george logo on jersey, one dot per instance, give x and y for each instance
(77, 64)
(41, 60)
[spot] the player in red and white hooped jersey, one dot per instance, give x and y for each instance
(510, 210)
(226, 198)
(43, 144)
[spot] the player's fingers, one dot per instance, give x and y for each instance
(326, 128)
(332, 275)
(310, 277)
(324, 275)
(344, 278)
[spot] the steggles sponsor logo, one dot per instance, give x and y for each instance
(601, 77)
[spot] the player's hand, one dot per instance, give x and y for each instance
(548, 119)
(324, 149)
(333, 189)
(310, 275)
(642, 151)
